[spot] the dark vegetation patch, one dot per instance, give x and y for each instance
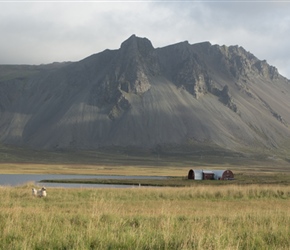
(240, 179)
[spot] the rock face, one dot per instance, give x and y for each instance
(142, 96)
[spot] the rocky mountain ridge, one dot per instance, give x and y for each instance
(143, 96)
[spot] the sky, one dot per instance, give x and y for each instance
(40, 32)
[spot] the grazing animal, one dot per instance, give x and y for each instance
(40, 192)
(34, 192)
(43, 192)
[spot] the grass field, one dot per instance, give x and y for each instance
(203, 217)
(252, 212)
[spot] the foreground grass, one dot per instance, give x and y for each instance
(201, 217)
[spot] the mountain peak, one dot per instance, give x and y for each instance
(143, 45)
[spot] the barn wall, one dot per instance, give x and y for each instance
(208, 176)
(190, 174)
(198, 175)
(227, 175)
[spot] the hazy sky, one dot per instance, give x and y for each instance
(35, 32)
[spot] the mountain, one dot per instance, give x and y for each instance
(141, 96)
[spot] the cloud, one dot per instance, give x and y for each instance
(263, 28)
(44, 32)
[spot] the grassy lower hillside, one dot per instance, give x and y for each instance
(158, 157)
(253, 169)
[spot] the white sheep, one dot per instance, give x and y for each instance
(34, 192)
(40, 192)
(43, 192)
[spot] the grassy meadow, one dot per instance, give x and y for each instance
(252, 212)
(201, 217)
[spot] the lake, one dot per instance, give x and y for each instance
(20, 179)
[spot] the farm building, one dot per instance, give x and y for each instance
(195, 174)
(223, 175)
(207, 175)
(210, 175)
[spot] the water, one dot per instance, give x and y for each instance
(20, 179)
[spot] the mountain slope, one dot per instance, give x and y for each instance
(141, 96)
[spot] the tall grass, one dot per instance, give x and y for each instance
(205, 217)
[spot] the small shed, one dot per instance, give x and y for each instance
(208, 175)
(223, 175)
(195, 174)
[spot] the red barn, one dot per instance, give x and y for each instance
(210, 175)
(207, 175)
(223, 175)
